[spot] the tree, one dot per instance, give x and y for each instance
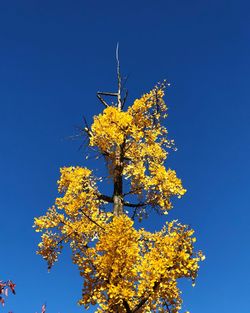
(5, 286)
(124, 269)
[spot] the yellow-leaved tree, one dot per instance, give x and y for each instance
(124, 268)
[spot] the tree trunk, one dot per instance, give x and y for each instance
(117, 196)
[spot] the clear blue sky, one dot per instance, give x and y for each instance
(54, 56)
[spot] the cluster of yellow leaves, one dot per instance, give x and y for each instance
(81, 216)
(130, 266)
(142, 139)
(110, 129)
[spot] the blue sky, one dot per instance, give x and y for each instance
(54, 56)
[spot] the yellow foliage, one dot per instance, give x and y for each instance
(124, 269)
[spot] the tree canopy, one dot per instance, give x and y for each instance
(124, 268)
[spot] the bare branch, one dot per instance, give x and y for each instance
(125, 98)
(119, 101)
(92, 220)
(132, 191)
(103, 93)
(105, 198)
(134, 214)
(88, 131)
(134, 205)
(102, 100)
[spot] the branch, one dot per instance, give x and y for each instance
(92, 220)
(165, 302)
(125, 303)
(134, 205)
(68, 235)
(134, 214)
(86, 128)
(125, 98)
(102, 100)
(144, 300)
(103, 93)
(105, 198)
(132, 191)
(88, 131)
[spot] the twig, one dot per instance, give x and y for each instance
(104, 93)
(102, 100)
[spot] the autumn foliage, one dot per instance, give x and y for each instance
(124, 268)
(5, 286)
